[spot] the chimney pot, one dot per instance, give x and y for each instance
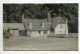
(48, 16)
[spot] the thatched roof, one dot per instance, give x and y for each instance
(57, 20)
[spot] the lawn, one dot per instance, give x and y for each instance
(40, 43)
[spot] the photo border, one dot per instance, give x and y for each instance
(35, 1)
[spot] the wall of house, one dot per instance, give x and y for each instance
(37, 33)
(28, 33)
(42, 33)
(14, 32)
(46, 33)
(61, 29)
(33, 33)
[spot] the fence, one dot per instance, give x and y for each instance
(70, 35)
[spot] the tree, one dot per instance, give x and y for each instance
(13, 12)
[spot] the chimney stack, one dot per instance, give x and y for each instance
(22, 17)
(48, 16)
(66, 27)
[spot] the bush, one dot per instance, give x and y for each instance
(7, 35)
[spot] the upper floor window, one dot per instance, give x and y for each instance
(39, 31)
(61, 26)
(30, 25)
(42, 24)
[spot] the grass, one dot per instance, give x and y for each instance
(40, 43)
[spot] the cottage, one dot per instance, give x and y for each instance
(36, 27)
(59, 25)
(14, 28)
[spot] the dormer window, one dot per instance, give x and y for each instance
(30, 25)
(42, 24)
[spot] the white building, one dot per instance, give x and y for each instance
(59, 25)
(36, 27)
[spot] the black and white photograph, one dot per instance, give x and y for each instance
(40, 27)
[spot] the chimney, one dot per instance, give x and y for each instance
(48, 16)
(66, 22)
(30, 25)
(22, 17)
(66, 27)
(42, 24)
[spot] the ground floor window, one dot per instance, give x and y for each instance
(61, 32)
(39, 31)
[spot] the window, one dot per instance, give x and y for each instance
(60, 32)
(39, 31)
(42, 24)
(30, 25)
(61, 26)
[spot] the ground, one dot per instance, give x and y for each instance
(40, 43)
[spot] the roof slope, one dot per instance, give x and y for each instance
(19, 26)
(36, 24)
(57, 20)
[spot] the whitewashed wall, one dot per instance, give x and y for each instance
(59, 30)
(33, 33)
(37, 34)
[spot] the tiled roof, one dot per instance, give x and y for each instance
(36, 24)
(19, 26)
